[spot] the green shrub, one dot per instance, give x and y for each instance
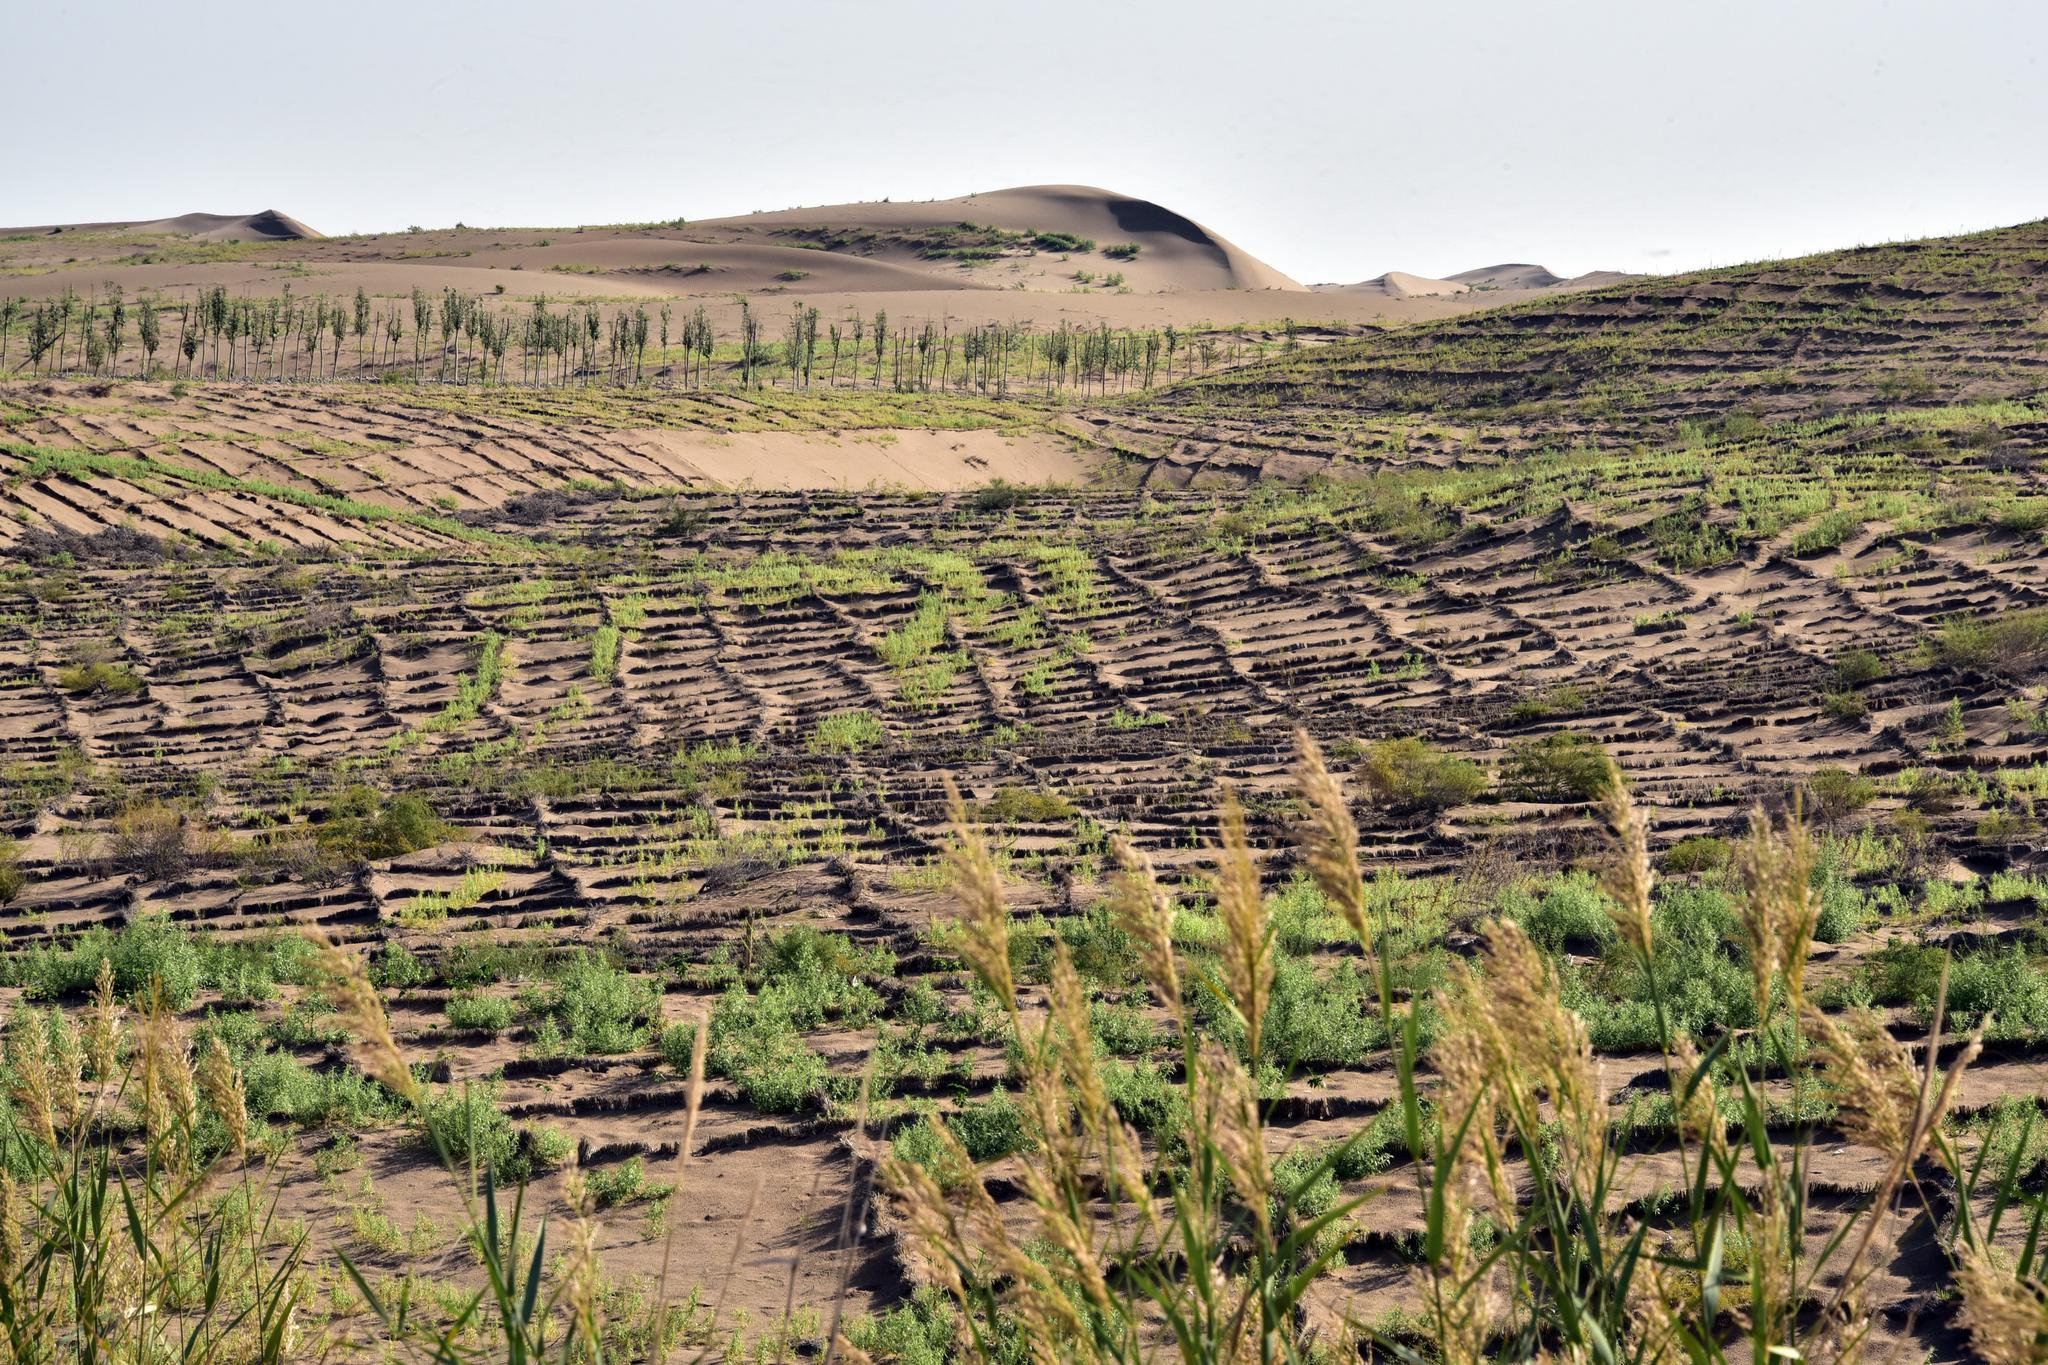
(1412, 773)
(278, 1083)
(598, 1007)
(1828, 532)
(848, 732)
(472, 1012)
(251, 969)
(991, 1128)
(360, 826)
(1905, 973)
(921, 1332)
(1695, 853)
(108, 679)
(1701, 974)
(1565, 699)
(2007, 640)
(2003, 982)
(1122, 1031)
(550, 1147)
(1025, 806)
(13, 881)
(624, 1183)
(1122, 251)
(1062, 241)
(1149, 1099)
(1844, 705)
(998, 496)
(1572, 912)
(1557, 767)
(1843, 910)
(1858, 668)
(1319, 1021)
(469, 1127)
(676, 1043)
(2006, 826)
(144, 953)
(815, 975)
(757, 1046)
(396, 968)
(1838, 793)
(920, 1145)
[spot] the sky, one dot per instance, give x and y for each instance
(1333, 140)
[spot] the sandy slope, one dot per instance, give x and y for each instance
(1177, 252)
(945, 460)
(844, 259)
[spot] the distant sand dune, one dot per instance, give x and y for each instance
(1517, 279)
(267, 226)
(1038, 254)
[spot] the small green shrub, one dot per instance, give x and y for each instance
(472, 1012)
(396, 967)
(1858, 668)
(2003, 640)
(1571, 912)
(106, 679)
(1838, 793)
(1844, 705)
(1412, 773)
(1558, 767)
(550, 1147)
(1694, 854)
(675, 1044)
(597, 1007)
(1025, 806)
(13, 881)
(848, 732)
(757, 1046)
(998, 496)
(143, 954)
(469, 1127)
(1565, 699)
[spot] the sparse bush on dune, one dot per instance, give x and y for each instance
(1558, 767)
(593, 1007)
(1838, 793)
(13, 880)
(1412, 773)
(2011, 640)
(146, 955)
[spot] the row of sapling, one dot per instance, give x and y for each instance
(461, 338)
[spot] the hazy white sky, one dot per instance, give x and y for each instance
(1335, 140)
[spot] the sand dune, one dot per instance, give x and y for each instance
(1175, 252)
(1040, 254)
(1519, 276)
(266, 226)
(1520, 280)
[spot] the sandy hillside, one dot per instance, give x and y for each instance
(1041, 254)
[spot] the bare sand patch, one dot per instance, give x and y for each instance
(937, 460)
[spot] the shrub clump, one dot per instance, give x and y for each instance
(2008, 641)
(1413, 774)
(472, 1012)
(142, 954)
(595, 1008)
(1557, 767)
